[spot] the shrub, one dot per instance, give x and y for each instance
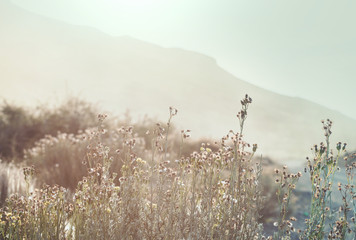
(20, 128)
(63, 159)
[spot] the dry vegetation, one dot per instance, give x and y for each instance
(101, 181)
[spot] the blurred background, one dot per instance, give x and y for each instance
(293, 58)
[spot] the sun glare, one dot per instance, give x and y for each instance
(138, 3)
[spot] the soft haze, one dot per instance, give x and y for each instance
(42, 58)
(299, 48)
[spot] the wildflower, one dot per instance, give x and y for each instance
(254, 148)
(139, 160)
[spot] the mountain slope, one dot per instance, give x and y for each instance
(42, 57)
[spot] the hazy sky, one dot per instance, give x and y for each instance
(304, 48)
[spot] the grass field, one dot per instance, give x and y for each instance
(67, 175)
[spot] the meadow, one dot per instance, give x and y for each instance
(70, 173)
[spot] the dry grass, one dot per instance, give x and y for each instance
(138, 187)
(11, 181)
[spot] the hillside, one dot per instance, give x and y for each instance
(42, 58)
